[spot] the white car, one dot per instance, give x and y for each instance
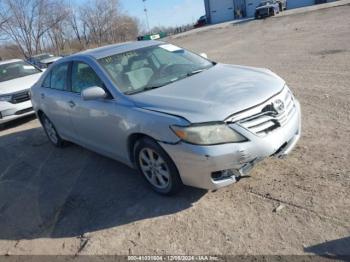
(16, 78)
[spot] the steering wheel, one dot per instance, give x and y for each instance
(167, 70)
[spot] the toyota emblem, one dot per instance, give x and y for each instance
(278, 105)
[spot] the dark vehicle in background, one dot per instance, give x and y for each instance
(36, 60)
(266, 9)
(282, 4)
(202, 21)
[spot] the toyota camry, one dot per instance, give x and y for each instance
(176, 116)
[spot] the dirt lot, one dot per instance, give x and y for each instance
(68, 201)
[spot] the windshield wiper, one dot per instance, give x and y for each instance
(146, 88)
(195, 72)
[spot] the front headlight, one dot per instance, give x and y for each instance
(208, 134)
(5, 98)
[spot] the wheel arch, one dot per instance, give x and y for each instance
(132, 139)
(40, 114)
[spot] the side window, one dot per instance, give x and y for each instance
(59, 77)
(83, 76)
(47, 81)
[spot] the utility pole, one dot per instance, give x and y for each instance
(146, 14)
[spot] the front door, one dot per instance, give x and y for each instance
(97, 122)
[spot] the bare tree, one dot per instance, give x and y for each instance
(106, 22)
(99, 17)
(125, 28)
(48, 25)
(26, 22)
(58, 32)
(80, 29)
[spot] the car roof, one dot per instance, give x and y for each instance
(10, 61)
(109, 50)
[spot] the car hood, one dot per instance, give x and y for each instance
(18, 84)
(214, 94)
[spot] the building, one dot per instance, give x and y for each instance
(218, 11)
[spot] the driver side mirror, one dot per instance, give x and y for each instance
(204, 55)
(93, 93)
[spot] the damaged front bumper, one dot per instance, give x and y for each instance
(213, 167)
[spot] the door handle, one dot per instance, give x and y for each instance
(71, 104)
(42, 95)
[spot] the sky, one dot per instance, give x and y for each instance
(165, 12)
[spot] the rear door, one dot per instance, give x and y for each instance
(221, 11)
(55, 97)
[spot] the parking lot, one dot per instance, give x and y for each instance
(73, 201)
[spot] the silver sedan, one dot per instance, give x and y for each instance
(176, 116)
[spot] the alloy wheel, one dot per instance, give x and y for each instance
(154, 168)
(50, 130)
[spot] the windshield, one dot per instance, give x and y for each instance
(152, 67)
(15, 70)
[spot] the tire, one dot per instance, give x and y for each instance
(156, 167)
(51, 131)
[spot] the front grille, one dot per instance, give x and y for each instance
(268, 118)
(20, 97)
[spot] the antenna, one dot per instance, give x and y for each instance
(146, 14)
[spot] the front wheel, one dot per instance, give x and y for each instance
(157, 167)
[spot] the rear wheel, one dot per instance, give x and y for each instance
(157, 167)
(51, 132)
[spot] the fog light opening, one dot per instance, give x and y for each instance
(224, 174)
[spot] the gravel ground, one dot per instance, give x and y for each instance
(73, 201)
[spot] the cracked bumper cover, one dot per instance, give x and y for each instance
(197, 163)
